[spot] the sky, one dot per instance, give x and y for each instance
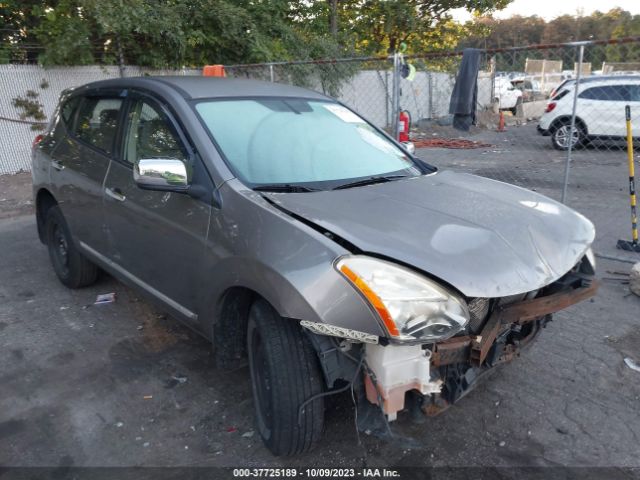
(549, 9)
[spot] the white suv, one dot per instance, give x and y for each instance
(600, 111)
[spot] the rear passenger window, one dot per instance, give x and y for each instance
(97, 122)
(611, 93)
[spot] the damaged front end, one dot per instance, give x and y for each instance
(434, 375)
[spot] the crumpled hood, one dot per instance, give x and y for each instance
(484, 237)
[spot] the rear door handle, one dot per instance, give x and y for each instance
(57, 165)
(115, 194)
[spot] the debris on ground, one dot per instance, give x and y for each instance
(231, 429)
(105, 298)
(175, 380)
(502, 443)
(147, 397)
(631, 363)
(634, 279)
(456, 143)
(119, 424)
(248, 434)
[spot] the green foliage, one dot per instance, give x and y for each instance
(31, 109)
(64, 32)
(379, 26)
(176, 33)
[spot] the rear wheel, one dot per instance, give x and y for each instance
(284, 374)
(71, 267)
(561, 137)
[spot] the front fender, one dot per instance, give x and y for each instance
(255, 246)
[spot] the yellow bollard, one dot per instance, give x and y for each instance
(633, 244)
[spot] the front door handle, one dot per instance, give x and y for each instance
(57, 165)
(115, 194)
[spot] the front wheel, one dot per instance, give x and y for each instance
(561, 137)
(285, 372)
(71, 267)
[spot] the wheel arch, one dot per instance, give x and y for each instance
(44, 201)
(229, 329)
(566, 119)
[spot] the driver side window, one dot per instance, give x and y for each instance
(150, 134)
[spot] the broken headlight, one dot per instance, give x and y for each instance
(411, 307)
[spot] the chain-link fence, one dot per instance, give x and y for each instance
(550, 118)
(29, 95)
(526, 131)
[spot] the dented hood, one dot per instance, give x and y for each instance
(484, 237)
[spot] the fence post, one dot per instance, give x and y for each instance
(271, 77)
(120, 56)
(567, 165)
(395, 95)
(430, 93)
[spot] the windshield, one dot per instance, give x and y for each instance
(292, 141)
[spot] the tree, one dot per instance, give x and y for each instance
(379, 26)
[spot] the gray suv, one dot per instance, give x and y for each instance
(298, 237)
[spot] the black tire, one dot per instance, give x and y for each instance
(560, 136)
(285, 372)
(71, 267)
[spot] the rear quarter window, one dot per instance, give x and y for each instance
(560, 94)
(68, 110)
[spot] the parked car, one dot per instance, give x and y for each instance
(507, 95)
(600, 111)
(530, 89)
(297, 236)
(570, 82)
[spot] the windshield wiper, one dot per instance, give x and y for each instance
(285, 188)
(370, 181)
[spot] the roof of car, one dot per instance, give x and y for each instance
(194, 87)
(605, 78)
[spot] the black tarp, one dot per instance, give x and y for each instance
(465, 92)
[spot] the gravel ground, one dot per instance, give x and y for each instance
(15, 195)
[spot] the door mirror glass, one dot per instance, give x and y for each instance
(161, 174)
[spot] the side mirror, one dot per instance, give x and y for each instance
(168, 174)
(410, 147)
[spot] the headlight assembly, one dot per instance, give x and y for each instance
(412, 308)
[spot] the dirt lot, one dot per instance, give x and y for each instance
(15, 195)
(122, 385)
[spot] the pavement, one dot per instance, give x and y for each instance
(123, 384)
